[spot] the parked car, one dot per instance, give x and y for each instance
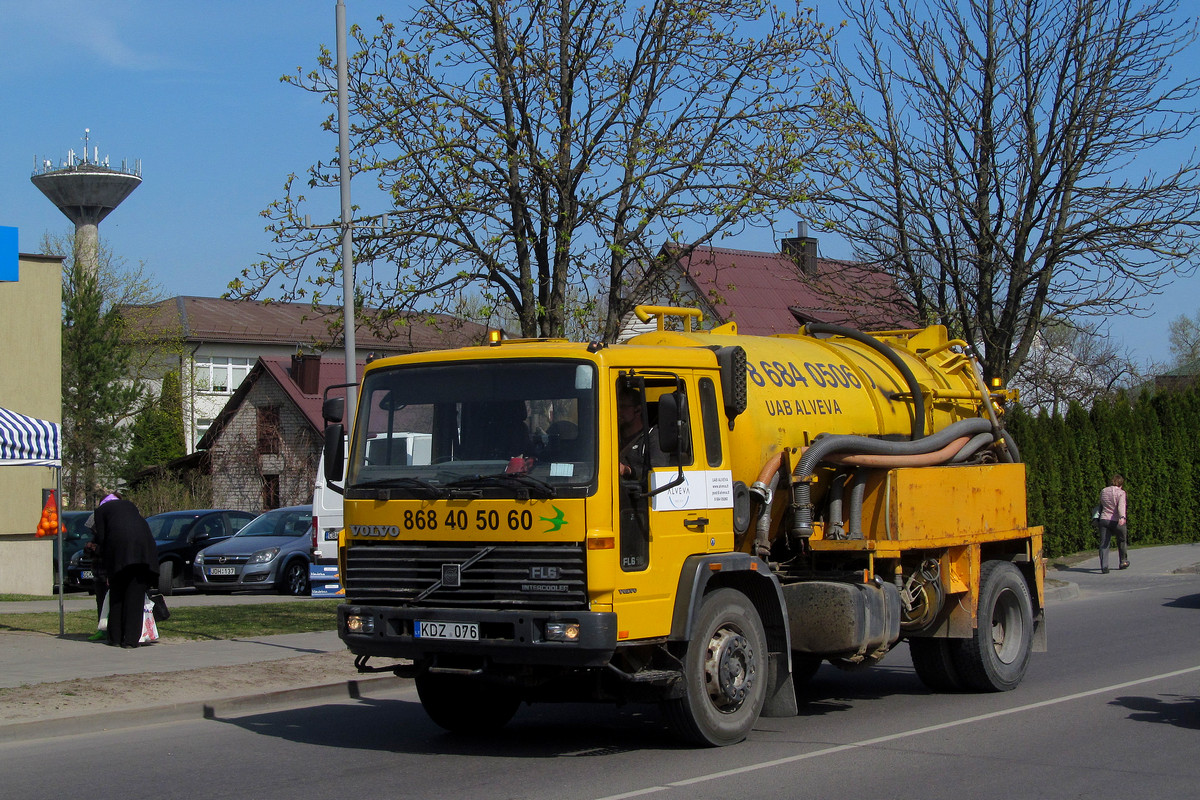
(179, 536)
(272, 552)
(74, 536)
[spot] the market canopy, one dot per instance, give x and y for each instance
(27, 441)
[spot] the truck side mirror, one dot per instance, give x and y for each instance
(333, 409)
(672, 423)
(335, 456)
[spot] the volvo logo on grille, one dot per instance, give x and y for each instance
(451, 576)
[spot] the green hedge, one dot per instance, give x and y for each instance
(1150, 440)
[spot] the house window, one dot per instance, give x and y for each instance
(268, 431)
(202, 426)
(221, 374)
(270, 492)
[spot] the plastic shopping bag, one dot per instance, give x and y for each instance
(102, 625)
(149, 628)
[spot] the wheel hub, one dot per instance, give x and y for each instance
(730, 669)
(1006, 628)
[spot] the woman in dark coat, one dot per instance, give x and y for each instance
(125, 546)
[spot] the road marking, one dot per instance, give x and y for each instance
(712, 776)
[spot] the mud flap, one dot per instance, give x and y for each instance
(781, 694)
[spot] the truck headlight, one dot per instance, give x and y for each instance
(562, 631)
(356, 623)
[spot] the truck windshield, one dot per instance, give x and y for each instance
(486, 428)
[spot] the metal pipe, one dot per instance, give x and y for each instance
(347, 219)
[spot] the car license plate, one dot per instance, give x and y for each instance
(460, 631)
(86, 575)
(221, 571)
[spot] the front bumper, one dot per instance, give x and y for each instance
(254, 578)
(505, 637)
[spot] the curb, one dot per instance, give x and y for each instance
(1060, 590)
(198, 709)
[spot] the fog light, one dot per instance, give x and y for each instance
(562, 631)
(357, 624)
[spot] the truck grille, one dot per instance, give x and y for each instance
(510, 576)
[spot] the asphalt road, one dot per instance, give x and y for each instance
(1111, 711)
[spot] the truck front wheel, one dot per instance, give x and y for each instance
(462, 705)
(725, 673)
(995, 657)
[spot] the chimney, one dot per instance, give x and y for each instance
(306, 373)
(802, 249)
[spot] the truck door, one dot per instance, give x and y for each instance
(673, 501)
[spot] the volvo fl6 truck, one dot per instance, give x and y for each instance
(692, 519)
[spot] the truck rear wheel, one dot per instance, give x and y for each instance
(995, 657)
(725, 673)
(934, 662)
(462, 705)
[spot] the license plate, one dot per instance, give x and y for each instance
(86, 575)
(459, 631)
(221, 571)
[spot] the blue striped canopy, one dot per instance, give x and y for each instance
(28, 441)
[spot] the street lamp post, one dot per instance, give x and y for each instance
(347, 226)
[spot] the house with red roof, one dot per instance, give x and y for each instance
(214, 343)
(263, 446)
(769, 293)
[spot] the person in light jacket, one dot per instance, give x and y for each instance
(1112, 522)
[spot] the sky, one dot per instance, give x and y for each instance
(192, 90)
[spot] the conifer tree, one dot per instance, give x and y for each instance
(157, 435)
(97, 392)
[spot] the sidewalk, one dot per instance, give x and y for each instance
(187, 675)
(31, 659)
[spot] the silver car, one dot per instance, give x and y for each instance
(272, 552)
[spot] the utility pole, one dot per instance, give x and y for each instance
(347, 226)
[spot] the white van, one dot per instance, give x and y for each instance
(327, 522)
(326, 531)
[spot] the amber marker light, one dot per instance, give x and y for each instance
(494, 336)
(602, 543)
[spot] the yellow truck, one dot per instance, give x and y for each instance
(694, 519)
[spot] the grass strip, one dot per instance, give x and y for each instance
(197, 622)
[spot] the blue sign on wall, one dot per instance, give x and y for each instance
(8, 254)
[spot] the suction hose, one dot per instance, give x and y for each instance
(825, 446)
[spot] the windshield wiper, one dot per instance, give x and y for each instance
(515, 480)
(400, 482)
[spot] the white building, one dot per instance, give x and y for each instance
(213, 344)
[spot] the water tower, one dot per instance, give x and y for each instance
(86, 190)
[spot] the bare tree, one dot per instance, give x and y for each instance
(529, 147)
(1184, 332)
(1005, 160)
(1068, 363)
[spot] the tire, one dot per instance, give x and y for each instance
(166, 578)
(994, 659)
(294, 580)
(465, 706)
(934, 662)
(724, 672)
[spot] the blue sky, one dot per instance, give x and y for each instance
(193, 91)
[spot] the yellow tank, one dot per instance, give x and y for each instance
(799, 386)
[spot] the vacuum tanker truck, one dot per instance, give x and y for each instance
(810, 497)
